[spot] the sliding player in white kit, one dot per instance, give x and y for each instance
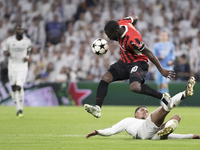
(152, 126)
(17, 48)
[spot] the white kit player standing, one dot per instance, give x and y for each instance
(17, 48)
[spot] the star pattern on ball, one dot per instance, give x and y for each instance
(99, 46)
(94, 45)
(98, 53)
(102, 46)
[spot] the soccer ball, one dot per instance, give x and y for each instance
(100, 46)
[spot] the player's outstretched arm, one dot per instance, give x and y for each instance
(166, 73)
(95, 132)
(183, 136)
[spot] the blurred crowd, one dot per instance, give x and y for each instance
(62, 31)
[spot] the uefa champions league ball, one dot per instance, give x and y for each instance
(99, 46)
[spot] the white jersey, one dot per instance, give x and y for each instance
(18, 50)
(137, 128)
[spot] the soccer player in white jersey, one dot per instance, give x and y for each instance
(17, 48)
(152, 126)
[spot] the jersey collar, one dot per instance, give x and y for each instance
(126, 30)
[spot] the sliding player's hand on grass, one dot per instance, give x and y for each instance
(195, 136)
(95, 132)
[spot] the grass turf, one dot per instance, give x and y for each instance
(53, 128)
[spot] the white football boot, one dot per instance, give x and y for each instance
(187, 93)
(94, 110)
(170, 126)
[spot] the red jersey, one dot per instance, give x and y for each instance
(131, 43)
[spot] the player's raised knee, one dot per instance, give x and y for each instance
(19, 88)
(14, 88)
(107, 77)
(177, 117)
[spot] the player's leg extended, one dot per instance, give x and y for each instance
(158, 117)
(12, 75)
(20, 83)
(14, 95)
(116, 72)
(103, 88)
(137, 75)
(176, 99)
(169, 126)
(101, 93)
(145, 89)
(20, 94)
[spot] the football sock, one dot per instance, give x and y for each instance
(21, 99)
(15, 98)
(101, 92)
(17, 101)
(145, 89)
(13, 95)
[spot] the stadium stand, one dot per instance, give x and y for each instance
(63, 30)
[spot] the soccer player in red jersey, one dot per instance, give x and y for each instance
(132, 64)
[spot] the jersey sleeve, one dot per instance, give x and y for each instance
(127, 19)
(117, 128)
(5, 46)
(180, 136)
(137, 44)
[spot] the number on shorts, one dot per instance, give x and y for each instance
(134, 69)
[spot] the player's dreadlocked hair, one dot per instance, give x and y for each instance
(111, 26)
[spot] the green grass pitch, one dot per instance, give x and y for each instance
(54, 128)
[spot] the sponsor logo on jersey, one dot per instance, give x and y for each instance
(17, 49)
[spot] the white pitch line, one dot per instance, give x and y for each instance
(51, 135)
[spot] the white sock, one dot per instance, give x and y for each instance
(176, 99)
(13, 95)
(173, 123)
(17, 100)
(21, 99)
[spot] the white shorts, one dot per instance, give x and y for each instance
(148, 130)
(17, 77)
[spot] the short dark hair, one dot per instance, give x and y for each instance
(139, 108)
(111, 26)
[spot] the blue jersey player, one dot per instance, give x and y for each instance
(164, 51)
